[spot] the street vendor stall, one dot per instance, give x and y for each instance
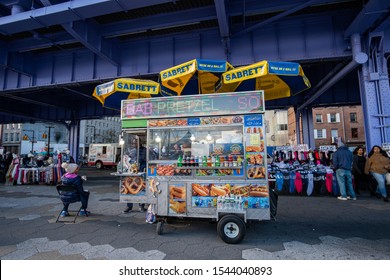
(205, 159)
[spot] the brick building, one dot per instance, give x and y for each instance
(332, 123)
(345, 123)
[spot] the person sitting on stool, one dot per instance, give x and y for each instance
(71, 177)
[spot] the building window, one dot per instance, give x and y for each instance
(11, 135)
(5, 137)
(334, 133)
(282, 127)
(318, 118)
(353, 117)
(334, 118)
(319, 133)
(354, 133)
(17, 137)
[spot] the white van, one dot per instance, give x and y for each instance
(104, 155)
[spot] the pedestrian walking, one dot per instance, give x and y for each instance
(378, 164)
(342, 162)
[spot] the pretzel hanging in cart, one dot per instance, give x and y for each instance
(257, 172)
(132, 185)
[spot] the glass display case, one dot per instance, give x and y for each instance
(198, 150)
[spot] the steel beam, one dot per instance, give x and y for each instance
(277, 17)
(375, 94)
(223, 24)
(373, 11)
(66, 12)
(87, 34)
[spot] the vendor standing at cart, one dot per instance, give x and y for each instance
(133, 153)
(175, 152)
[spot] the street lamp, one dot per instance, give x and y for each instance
(32, 139)
(44, 136)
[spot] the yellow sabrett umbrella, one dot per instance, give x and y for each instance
(111, 94)
(277, 79)
(178, 80)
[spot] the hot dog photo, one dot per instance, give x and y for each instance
(254, 195)
(177, 192)
(200, 190)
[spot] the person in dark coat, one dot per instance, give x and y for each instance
(71, 177)
(8, 161)
(358, 164)
(342, 162)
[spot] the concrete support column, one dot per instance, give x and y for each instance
(74, 139)
(307, 127)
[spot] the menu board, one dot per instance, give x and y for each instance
(255, 148)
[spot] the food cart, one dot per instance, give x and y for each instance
(205, 159)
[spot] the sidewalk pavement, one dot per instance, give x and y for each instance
(305, 228)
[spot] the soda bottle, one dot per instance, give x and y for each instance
(204, 161)
(180, 161)
(213, 161)
(209, 161)
(197, 161)
(221, 160)
(230, 159)
(239, 161)
(192, 161)
(217, 161)
(234, 161)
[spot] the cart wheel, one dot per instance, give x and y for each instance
(231, 229)
(159, 228)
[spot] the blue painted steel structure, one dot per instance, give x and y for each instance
(54, 52)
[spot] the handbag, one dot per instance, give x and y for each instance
(387, 178)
